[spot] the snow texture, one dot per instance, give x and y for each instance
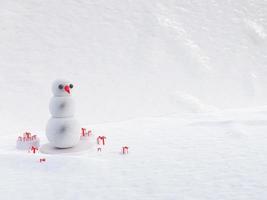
(63, 132)
(28, 144)
(83, 145)
(191, 156)
(62, 106)
(182, 83)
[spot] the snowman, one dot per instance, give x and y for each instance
(62, 130)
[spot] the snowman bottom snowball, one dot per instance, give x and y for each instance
(63, 132)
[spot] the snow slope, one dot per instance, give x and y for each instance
(148, 62)
(132, 58)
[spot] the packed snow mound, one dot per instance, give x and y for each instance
(130, 57)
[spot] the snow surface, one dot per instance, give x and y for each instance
(192, 156)
(182, 83)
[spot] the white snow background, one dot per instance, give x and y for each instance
(182, 83)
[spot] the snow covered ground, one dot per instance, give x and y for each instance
(182, 83)
(191, 156)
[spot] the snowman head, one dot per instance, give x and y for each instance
(62, 88)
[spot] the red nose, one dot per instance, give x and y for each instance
(67, 89)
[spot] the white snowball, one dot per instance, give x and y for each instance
(63, 132)
(62, 106)
(60, 92)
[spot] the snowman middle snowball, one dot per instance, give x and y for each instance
(62, 130)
